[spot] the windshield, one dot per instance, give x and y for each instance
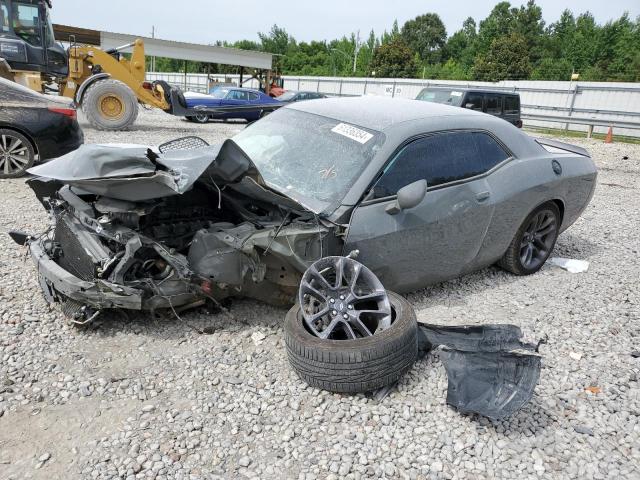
(26, 22)
(286, 96)
(448, 97)
(219, 92)
(310, 158)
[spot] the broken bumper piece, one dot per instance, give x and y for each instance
(56, 281)
(490, 371)
(80, 298)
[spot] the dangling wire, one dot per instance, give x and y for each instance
(219, 192)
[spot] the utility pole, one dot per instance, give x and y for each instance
(153, 59)
(356, 50)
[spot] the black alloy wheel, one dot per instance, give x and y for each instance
(534, 241)
(538, 239)
(342, 299)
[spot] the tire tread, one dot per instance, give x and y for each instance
(347, 367)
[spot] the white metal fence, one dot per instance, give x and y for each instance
(593, 105)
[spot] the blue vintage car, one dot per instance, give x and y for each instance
(229, 97)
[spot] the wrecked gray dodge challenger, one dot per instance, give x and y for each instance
(422, 192)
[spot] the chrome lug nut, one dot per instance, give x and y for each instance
(334, 312)
(341, 297)
(345, 316)
(350, 307)
(332, 300)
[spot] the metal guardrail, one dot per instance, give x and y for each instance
(590, 122)
(599, 111)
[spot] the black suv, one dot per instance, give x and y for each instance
(501, 104)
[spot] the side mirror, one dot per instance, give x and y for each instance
(409, 196)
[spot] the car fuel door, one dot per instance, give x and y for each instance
(438, 239)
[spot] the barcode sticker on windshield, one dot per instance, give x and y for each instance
(456, 94)
(354, 133)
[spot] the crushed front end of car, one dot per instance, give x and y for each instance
(137, 229)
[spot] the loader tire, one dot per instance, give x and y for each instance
(354, 366)
(110, 105)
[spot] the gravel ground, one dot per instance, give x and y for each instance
(154, 399)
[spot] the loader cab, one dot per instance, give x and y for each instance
(27, 42)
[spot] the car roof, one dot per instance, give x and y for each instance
(379, 113)
(470, 89)
(242, 89)
(245, 89)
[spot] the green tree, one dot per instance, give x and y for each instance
(425, 35)
(616, 54)
(511, 42)
(246, 45)
(528, 23)
(461, 45)
(393, 60)
(507, 58)
(498, 24)
(552, 69)
(276, 41)
(388, 37)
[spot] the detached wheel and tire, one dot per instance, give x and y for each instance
(534, 241)
(16, 154)
(347, 334)
(110, 105)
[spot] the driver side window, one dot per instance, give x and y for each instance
(439, 159)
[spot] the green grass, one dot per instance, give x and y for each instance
(561, 132)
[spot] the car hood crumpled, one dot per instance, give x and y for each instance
(136, 173)
(129, 172)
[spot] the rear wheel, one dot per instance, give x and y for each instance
(110, 105)
(16, 154)
(534, 241)
(199, 118)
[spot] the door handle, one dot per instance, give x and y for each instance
(482, 196)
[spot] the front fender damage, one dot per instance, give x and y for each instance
(490, 371)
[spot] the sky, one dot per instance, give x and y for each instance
(205, 21)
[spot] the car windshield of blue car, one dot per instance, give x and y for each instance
(447, 97)
(219, 92)
(310, 158)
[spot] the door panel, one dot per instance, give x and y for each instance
(437, 240)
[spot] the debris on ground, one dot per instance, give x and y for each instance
(569, 264)
(575, 355)
(490, 370)
(258, 337)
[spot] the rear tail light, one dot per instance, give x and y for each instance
(519, 123)
(147, 85)
(67, 112)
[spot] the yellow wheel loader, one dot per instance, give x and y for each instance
(105, 84)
